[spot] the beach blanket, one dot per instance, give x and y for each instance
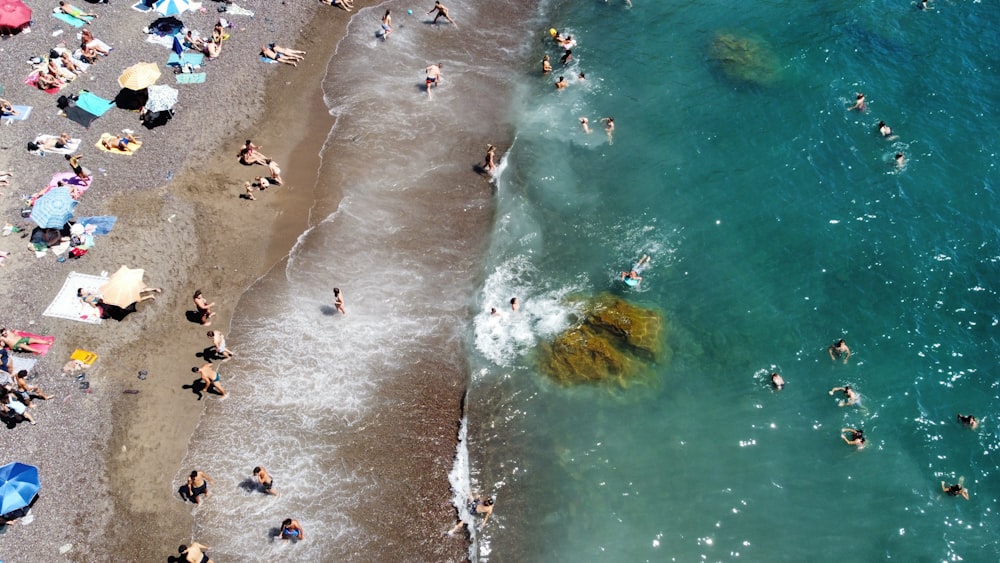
(141, 6)
(129, 148)
(69, 148)
(92, 103)
(102, 224)
(237, 11)
(22, 113)
(264, 59)
(67, 305)
(193, 78)
(71, 181)
(32, 80)
(161, 40)
(80, 116)
(42, 348)
(27, 364)
(75, 22)
(194, 59)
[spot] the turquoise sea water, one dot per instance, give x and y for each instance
(776, 223)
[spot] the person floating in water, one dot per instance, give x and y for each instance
(968, 420)
(514, 304)
(900, 161)
(956, 490)
(851, 395)
(839, 349)
(853, 437)
(633, 274)
(886, 131)
(777, 382)
(859, 103)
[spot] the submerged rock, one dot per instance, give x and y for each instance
(745, 59)
(613, 343)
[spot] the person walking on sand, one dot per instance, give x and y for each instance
(195, 553)
(839, 349)
(197, 486)
(210, 376)
(204, 308)
(442, 12)
(433, 77)
(338, 301)
(265, 481)
(221, 350)
(291, 530)
(490, 164)
(386, 25)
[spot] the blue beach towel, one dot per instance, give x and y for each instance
(93, 104)
(194, 78)
(22, 113)
(193, 59)
(264, 59)
(102, 223)
(141, 6)
(75, 22)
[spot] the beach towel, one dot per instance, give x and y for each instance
(22, 113)
(67, 305)
(71, 181)
(69, 148)
(161, 40)
(193, 59)
(129, 149)
(27, 364)
(141, 6)
(32, 80)
(42, 348)
(237, 11)
(80, 116)
(92, 103)
(75, 22)
(193, 78)
(102, 224)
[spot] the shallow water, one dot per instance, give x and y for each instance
(777, 224)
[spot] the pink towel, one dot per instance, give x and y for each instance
(42, 348)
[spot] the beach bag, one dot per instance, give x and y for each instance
(76, 252)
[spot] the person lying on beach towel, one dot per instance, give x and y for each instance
(48, 82)
(72, 10)
(282, 54)
(6, 108)
(87, 39)
(18, 342)
(67, 62)
(48, 142)
(53, 68)
(123, 144)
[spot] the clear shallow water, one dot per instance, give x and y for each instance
(776, 224)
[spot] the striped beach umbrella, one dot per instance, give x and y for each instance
(139, 76)
(54, 208)
(19, 484)
(172, 7)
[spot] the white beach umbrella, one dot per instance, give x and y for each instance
(161, 97)
(174, 7)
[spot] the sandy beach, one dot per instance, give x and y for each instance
(108, 457)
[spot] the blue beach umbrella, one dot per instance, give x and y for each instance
(18, 486)
(52, 210)
(172, 7)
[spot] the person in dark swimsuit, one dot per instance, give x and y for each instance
(968, 420)
(955, 490)
(197, 485)
(265, 480)
(777, 382)
(195, 553)
(839, 349)
(853, 437)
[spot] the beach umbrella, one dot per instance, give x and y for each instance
(161, 98)
(139, 76)
(14, 15)
(18, 486)
(53, 210)
(172, 7)
(123, 287)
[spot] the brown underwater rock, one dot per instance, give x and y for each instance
(745, 59)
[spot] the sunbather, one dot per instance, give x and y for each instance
(298, 55)
(57, 70)
(219, 32)
(211, 49)
(69, 64)
(87, 39)
(20, 343)
(120, 142)
(269, 53)
(249, 155)
(88, 54)
(46, 81)
(6, 108)
(74, 11)
(49, 142)
(25, 390)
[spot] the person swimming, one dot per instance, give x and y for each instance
(968, 420)
(851, 395)
(777, 381)
(853, 437)
(637, 268)
(955, 490)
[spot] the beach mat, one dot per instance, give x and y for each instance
(67, 305)
(42, 348)
(141, 6)
(32, 80)
(80, 116)
(22, 113)
(102, 223)
(235, 10)
(75, 22)
(70, 147)
(193, 59)
(71, 180)
(27, 364)
(129, 149)
(93, 103)
(194, 78)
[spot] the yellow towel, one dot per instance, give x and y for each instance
(129, 149)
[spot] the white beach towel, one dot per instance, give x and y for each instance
(237, 11)
(67, 305)
(70, 147)
(23, 363)
(161, 40)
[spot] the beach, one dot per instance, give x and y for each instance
(109, 457)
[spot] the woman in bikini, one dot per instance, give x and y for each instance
(248, 155)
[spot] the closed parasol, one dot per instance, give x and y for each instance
(139, 76)
(54, 208)
(14, 15)
(161, 98)
(19, 483)
(123, 287)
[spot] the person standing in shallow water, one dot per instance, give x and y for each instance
(291, 530)
(196, 485)
(386, 25)
(338, 301)
(442, 12)
(265, 481)
(839, 349)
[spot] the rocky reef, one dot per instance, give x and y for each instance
(613, 342)
(745, 59)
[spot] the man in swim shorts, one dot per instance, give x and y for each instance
(210, 376)
(195, 553)
(839, 349)
(221, 350)
(196, 486)
(265, 480)
(442, 12)
(433, 77)
(20, 343)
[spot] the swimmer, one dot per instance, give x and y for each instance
(857, 437)
(850, 394)
(777, 382)
(514, 304)
(585, 124)
(637, 269)
(900, 161)
(922, 5)
(609, 128)
(567, 57)
(968, 420)
(561, 83)
(581, 77)
(839, 349)
(546, 65)
(859, 103)
(494, 312)
(955, 490)
(886, 131)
